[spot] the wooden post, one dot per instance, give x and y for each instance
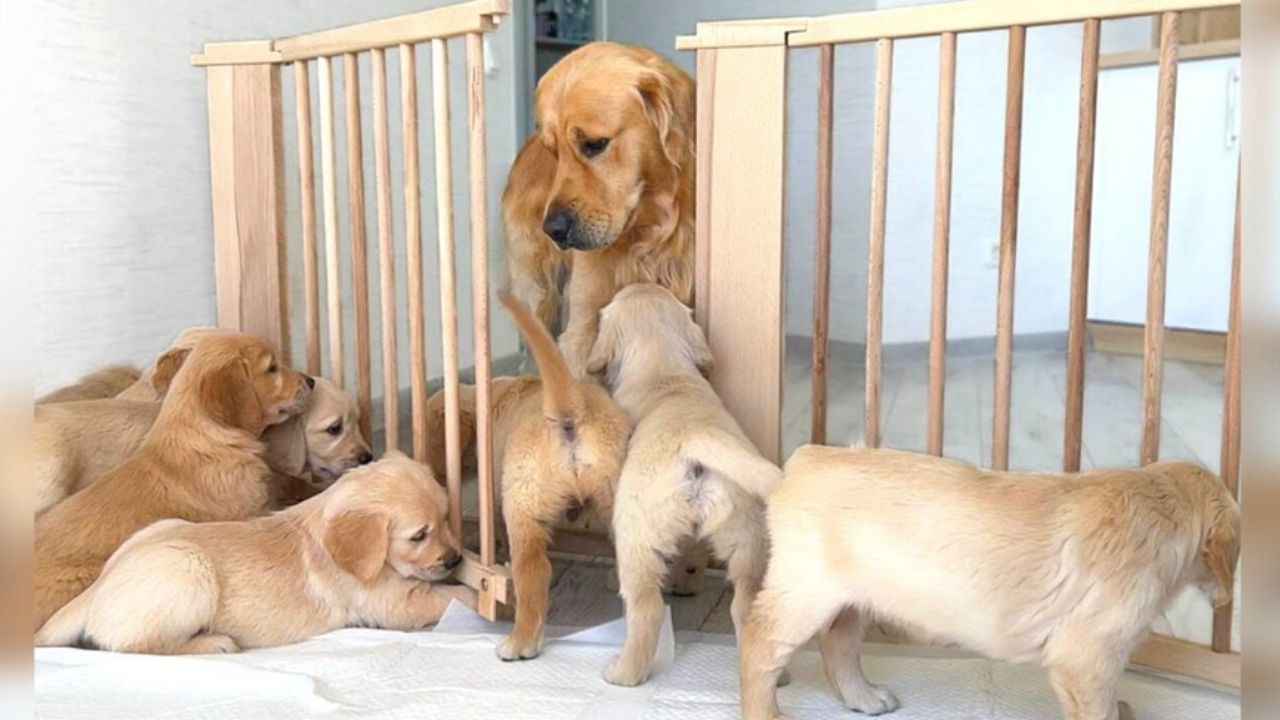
(1162, 175)
(329, 193)
(941, 239)
(1008, 246)
(1074, 430)
(247, 163)
(702, 229)
(413, 248)
(1230, 459)
(307, 196)
(875, 240)
(742, 240)
(386, 254)
(822, 246)
(359, 249)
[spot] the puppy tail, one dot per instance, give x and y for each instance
(561, 397)
(737, 460)
(67, 626)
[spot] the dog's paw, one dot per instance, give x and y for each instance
(211, 645)
(619, 672)
(513, 648)
(872, 700)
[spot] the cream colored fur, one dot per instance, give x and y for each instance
(1066, 571)
(690, 471)
(350, 556)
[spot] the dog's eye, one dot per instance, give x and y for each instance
(335, 428)
(420, 535)
(592, 148)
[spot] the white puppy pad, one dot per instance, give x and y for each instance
(453, 674)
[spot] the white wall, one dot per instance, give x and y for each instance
(120, 212)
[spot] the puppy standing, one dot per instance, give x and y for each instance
(560, 445)
(690, 471)
(201, 461)
(1066, 571)
(363, 553)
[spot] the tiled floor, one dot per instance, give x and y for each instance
(582, 591)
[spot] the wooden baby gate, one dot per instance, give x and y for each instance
(247, 164)
(741, 108)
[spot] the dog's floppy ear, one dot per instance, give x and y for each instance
(1220, 552)
(699, 350)
(667, 95)
(287, 446)
(227, 395)
(167, 366)
(357, 541)
(602, 352)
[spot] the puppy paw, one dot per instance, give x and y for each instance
(210, 645)
(620, 672)
(872, 700)
(784, 678)
(513, 648)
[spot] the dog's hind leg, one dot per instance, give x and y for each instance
(780, 621)
(1086, 687)
(841, 647)
(531, 571)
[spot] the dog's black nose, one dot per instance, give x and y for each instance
(365, 458)
(311, 382)
(454, 561)
(558, 225)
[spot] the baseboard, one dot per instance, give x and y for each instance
(1198, 346)
(956, 347)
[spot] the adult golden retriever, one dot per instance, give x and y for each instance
(201, 461)
(1066, 571)
(365, 552)
(601, 196)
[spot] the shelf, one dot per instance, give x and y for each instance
(560, 42)
(1193, 51)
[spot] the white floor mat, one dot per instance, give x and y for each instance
(453, 674)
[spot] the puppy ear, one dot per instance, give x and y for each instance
(667, 96)
(357, 541)
(227, 395)
(167, 366)
(700, 351)
(1220, 552)
(287, 446)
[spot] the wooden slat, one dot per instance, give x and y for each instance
(1076, 334)
(329, 184)
(386, 254)
(442, 22)
(702, 223)
(247, 173)
(875, 242)
(307, 193)
(745, 242)
(1162, 174)
(822, 244)
(1008, 246)
(1230, 457)
(1185, 658)
(359, 250)
(448, 281)
(480, 294)
(941, 240)
(976, 15)
(413, 243)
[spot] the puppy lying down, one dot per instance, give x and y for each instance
(1066, 571)
(366, 552)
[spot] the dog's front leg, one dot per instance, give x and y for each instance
(1086, 687)
(531, 571)
(591, 287)
(414, 604)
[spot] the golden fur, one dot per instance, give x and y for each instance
(201, 461)
(690, 471)
(77, 443)
(1067, 571)
(349, 556)
(105, 383)
(630, 206)
(558, 447)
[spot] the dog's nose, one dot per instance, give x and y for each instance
(558, 225)
(454, 561)
(311, 382)
(365, 458)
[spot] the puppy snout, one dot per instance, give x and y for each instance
(560, 224)
(453, 561)
(364, 458)
(310, 381)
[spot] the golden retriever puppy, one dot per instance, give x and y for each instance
(690, 471)
(146, 388)
(201, 461)
(558, 446)
(105, 383)
(1067, 571)
(77, 443)
(602, 193)
(365, 552)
